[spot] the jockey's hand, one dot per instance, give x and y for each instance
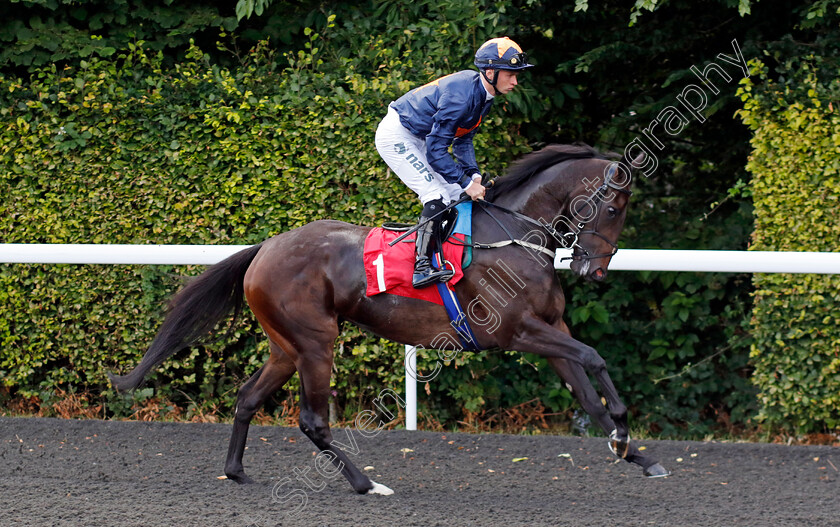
(475, 190)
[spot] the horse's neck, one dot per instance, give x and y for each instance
(543, 198)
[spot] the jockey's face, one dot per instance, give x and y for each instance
(506, 80)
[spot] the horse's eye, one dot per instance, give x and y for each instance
(612, 212)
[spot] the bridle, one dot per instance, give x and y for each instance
(569, 239)
(596, 200)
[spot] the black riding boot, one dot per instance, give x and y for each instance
(424, 274)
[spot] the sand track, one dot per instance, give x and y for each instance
(65, 472)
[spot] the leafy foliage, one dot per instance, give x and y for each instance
(117, 129)
(123, 150)
(39, 32)
(796, 187)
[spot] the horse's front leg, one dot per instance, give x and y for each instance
(577, 381)
(537, 336)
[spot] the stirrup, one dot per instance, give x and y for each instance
(425, 276)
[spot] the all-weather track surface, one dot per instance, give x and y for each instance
(112, 473)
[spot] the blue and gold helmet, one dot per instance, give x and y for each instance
(501, 54)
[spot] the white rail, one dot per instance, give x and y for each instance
(624, 260)
(720, 261)
(58, 253)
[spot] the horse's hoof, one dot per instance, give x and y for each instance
(619, 446)
(379, 489)
(656, 471)
(240, 478)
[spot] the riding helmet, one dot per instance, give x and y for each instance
(501, 54)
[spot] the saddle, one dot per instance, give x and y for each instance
(389, 269)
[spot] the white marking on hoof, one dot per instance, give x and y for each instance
(380, 489)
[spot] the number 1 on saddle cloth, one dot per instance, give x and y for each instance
(389, 265)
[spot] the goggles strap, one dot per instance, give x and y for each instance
(516, 61)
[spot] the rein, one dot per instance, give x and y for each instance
(511, 239)
(569, 239)
(493, 245)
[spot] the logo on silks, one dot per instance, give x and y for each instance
(399, 148)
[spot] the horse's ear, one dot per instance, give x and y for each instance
(623, 177)
(645, 161)
(636, 163)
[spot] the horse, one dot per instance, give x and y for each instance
(303, 283)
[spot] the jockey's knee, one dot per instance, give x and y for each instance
(432, 207)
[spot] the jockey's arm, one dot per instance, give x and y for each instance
(464, 152)
(465, 175)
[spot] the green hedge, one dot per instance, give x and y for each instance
(128, 150)
(122, 151)
(795, 163)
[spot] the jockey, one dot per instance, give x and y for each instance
(415, 136)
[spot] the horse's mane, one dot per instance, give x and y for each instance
(522, 170)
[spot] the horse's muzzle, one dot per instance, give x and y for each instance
(583, 267)
(597, 275)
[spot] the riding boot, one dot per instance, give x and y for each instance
(424, 274)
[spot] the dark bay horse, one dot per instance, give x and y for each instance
(303, 283)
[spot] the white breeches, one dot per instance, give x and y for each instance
(405, 154)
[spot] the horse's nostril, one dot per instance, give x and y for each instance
(599, 274)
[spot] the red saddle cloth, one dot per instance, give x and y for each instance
(390, 269)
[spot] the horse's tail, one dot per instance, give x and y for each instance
(193, 312)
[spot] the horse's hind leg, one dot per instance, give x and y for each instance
(277, 370)
(576, 378)
(314, 370)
